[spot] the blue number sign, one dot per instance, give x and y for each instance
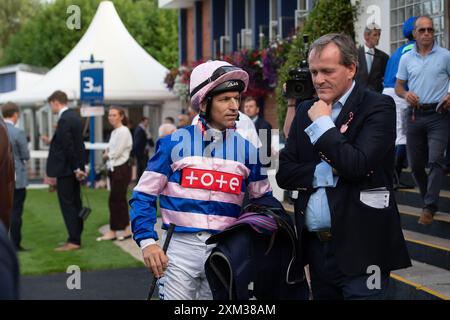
(91, 81)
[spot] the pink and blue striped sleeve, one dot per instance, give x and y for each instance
(143, 202)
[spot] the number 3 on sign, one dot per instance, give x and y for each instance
(88, 84)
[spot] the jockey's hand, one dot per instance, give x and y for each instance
(155, 259)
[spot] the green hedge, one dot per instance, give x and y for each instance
(328, 16)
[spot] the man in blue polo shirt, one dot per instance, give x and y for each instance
(390, 76)
(426, 68)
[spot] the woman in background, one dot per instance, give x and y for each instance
(119, 171)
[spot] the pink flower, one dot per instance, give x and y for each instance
(344, 127)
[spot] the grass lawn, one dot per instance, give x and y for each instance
(43, 229)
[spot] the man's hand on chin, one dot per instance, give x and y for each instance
(319, 108)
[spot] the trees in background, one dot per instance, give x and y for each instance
(13, 15)
(327, 16)
(45, 39)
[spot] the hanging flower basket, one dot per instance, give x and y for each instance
(261, 65)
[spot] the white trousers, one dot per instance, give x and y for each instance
(184, 278)
(401, 107)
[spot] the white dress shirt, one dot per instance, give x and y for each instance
(62, 110)
(10, 122)
(369, 57)
(119, 147)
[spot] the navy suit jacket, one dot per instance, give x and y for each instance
(140, 142)
(67, 152)
(364, 159)
(373, 80)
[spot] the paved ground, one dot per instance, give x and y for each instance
(130, 245)
(120, 284)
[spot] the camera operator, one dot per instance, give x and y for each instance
(298, 88)
(290, 114)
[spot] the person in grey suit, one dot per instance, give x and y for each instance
(19, 144)
(372, 61)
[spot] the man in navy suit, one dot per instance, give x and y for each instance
(372, 61)
(66, 163)
(141, 145)
(339, 156)
(263, 128)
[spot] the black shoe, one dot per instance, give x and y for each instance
(22, 249)
(402, 185)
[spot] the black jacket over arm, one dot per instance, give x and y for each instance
(364, 159)
(67, 152)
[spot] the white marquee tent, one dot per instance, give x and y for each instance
(131, 77)
(130, 73)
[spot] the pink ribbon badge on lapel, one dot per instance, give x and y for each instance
(344, 127)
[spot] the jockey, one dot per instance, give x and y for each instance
(200, 174)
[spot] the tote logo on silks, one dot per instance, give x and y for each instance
(211, 180)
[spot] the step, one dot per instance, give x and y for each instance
(406, 177)
(428, 249)
(439, 228)
(420, 282)
(422, 247)
(411, 197)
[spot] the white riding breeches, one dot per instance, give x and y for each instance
(184, 278)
